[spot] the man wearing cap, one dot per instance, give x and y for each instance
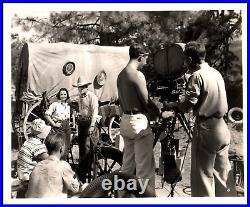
(136, 105)
(33, 150)
(88, 110)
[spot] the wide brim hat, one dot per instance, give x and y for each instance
(40, 129)
(81, 82)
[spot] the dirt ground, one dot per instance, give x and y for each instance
(182, 189)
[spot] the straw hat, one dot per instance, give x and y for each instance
(81, 82)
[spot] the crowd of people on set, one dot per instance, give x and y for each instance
(42, 160)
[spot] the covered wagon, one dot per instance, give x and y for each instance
(47, 67)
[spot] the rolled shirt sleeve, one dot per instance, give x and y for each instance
(193, 88)
(58, 112)
(70, 179)
(51, 109)
(94, 105)
(39, 149)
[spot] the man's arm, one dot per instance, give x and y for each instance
(191, 95)
(141, 90)
(95, 106)
(154, 111)
(42, 156)
(48, 114)
(181, 107)
(70, 179)
(40, 152)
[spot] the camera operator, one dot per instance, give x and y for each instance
(137, 107)
(211, 173)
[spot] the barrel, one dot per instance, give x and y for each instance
(169, 61)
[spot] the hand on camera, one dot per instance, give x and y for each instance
(169, 105)
(91, 130)
(167, 114)
(57, 125)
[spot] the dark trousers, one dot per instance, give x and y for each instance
(83, 133)
(66, 131)
(23, 189)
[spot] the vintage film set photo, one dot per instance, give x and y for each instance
(141, 102)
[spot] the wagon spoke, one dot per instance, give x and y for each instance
(34, 115)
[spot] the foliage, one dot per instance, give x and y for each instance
(106, 27)
(16, 46)
(217, 30)
(155, 29)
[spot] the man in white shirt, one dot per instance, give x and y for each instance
(88, 110)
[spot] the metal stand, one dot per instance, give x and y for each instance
(169, 135)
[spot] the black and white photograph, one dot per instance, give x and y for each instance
(125, 103)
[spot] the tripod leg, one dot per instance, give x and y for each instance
(172, 190)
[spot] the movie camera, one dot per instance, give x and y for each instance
(168, 89)
(170, 81)
(169, 84)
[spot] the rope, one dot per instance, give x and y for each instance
(29, 97)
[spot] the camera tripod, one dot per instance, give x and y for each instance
(164, 131)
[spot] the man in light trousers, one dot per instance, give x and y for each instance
(211, 173)
(138, 138)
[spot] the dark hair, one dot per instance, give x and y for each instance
(62, 89)
(54, 142)
(136, 50)
(196, 51)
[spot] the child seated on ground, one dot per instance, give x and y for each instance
(53, 177)
(32, 151)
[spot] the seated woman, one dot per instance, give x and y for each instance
(58, 115)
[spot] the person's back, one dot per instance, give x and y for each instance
(211, 173)
(128, 82)
(32, 150)
(53, 177)
(28, 156)
(213, 101)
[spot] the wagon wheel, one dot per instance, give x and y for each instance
(114, 132)
(95, 188)
(33, 113)
(108, 160)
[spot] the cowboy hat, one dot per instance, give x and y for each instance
(40, 129)
(81, 82)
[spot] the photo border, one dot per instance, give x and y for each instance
(112, 1)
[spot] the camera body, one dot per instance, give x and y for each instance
(169, 83)
(169, 89)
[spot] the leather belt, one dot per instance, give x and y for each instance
(209, 117)
(132, 112)
(84, 118)
(60, 121)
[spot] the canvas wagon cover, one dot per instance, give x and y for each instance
(45, 63)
